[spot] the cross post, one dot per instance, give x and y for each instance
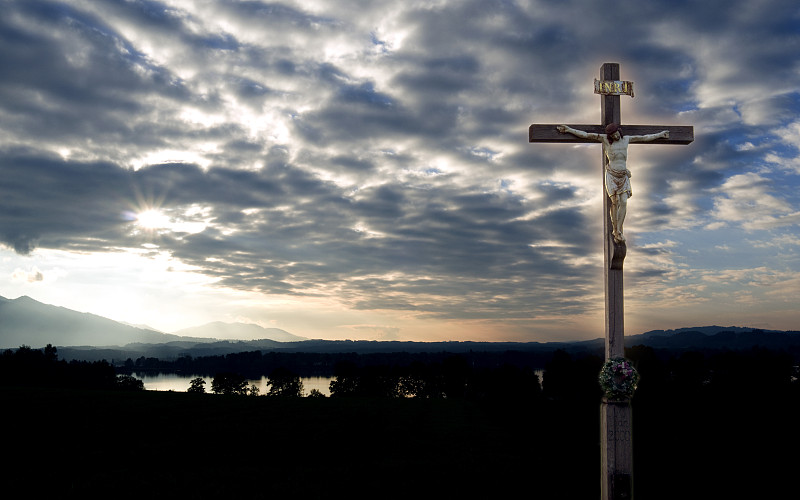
(615, 411)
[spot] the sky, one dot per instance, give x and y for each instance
(361, 169)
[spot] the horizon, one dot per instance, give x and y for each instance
(201, 327)
(362, 170)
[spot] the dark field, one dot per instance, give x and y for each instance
(144, 444)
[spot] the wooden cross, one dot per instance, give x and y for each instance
(617, 452)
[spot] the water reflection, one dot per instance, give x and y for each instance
(180, 383)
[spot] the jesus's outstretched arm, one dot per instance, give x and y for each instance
(649, 137)
(579, 133)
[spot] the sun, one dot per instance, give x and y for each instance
(152, 219)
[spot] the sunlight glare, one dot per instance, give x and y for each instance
(152, 219)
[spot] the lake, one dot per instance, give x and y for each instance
(180, 383)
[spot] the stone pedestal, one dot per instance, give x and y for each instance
(617, 450)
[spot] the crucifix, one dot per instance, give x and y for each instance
(615, 411)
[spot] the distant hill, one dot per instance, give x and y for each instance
(238, 331)
(25, 321)
(705, 330)
(29, 322)
(715, 338)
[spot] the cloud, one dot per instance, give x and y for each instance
(32, 276)
(746, 198)
(375, 154)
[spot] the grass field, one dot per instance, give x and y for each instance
(178, 445)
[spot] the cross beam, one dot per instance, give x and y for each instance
(547, 133)
(615, 419)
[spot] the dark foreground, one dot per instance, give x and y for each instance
(156, 445)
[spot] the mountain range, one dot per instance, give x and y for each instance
(238, 331)
(25, 321)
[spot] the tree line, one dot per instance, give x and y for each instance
(480, 376)
(27, 367)
(282, 383)
(566, 377)
(255, 364)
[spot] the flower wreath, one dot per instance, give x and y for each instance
(618, 378)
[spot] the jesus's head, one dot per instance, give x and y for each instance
(612, 132)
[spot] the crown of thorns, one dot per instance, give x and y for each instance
(611, 128)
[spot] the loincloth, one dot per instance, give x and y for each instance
(617, 182)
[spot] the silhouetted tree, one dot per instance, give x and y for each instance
(378, 382)
(229, 383)
(129, 383)
(50, 354)
(94, 375)
(284, 383)
(316, 393)
(346, 379)
(422, 380)
(197, 386)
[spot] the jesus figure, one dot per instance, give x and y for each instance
(618, 183)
